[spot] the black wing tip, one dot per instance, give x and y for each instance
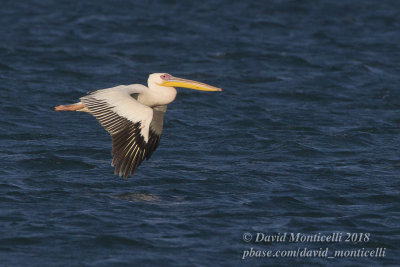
(127, 158)
(128, 149)
(154, 141)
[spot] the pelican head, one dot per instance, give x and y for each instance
(167, 80)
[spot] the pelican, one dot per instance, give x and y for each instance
(133, 115)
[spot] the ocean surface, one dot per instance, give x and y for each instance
(304, 138)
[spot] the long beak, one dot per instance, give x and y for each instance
(179, 82)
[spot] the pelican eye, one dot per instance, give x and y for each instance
(165, 76)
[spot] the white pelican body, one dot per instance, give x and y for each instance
(133, 115)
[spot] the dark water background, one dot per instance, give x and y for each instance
(304, 137)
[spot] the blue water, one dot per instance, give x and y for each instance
(303, 139)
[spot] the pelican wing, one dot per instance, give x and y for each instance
(156, 127)
(128, 122)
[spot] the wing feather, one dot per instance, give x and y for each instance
(128, 123)
(135, 129)
(155, 130)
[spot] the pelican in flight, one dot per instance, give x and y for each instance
(133, 115)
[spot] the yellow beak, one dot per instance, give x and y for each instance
(179, 82)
